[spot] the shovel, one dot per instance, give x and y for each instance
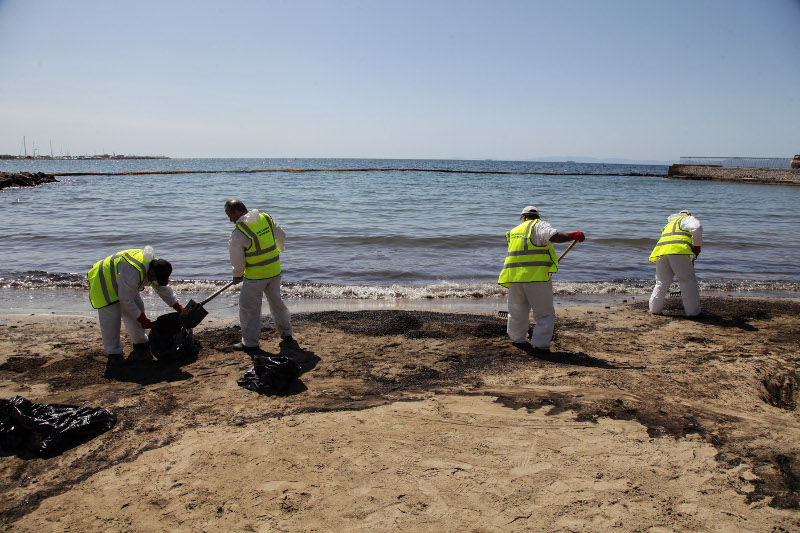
(567, 250)
(194, 312)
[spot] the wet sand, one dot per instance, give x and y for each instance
(417, 420)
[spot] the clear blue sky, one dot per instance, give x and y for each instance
(635, 79)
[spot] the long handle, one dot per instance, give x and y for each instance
(204, 302)
(567, 250)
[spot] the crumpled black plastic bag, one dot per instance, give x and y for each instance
(169, 341)
(46, 428)
(270, 374)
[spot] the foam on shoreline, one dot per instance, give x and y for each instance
(442, 289)
(18, 301)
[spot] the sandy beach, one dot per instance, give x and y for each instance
(422, 421)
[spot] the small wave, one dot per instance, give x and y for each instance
(405, 241)
(747, 285)
(377, 292)
(35, 279)
(439, 290)
(645, 286)
(627, 286)
(476, 290)
(47, 280)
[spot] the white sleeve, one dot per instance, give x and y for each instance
(543, 232)
(165, 293)
(280, 237)
(237, 246)
(693, 225)
(128, 289)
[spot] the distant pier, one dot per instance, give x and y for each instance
(773, 176)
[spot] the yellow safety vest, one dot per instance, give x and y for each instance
(673, 241)
(104, 277)
(261, 259)
(524, 261)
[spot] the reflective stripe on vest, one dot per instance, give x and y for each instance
(524, 261)
(673, 241)
(261, 259)
(104, 276)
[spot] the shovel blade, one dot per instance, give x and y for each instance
(192, 314)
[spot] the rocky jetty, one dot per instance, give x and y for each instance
(24, 179)
(743, 175)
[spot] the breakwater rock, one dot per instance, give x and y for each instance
(744, 175)
(24, 179)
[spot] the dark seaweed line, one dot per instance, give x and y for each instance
(357, 170)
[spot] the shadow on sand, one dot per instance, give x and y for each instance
(151, 372)
(573, 358)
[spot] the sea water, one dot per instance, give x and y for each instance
(368, 230)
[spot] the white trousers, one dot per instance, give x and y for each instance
(109, 318)
(682, 268)
(524, 297)
(250, 309)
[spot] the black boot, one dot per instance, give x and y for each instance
(141, 353)
(115, 359)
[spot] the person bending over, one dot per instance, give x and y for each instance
(114, 286)
(674, 256)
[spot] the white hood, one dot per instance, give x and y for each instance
(250, 218)
(149, 253)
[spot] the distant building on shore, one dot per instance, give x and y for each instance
(81, 157)
(739, 162)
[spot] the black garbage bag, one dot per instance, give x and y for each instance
(46, 428)
(169, 341)
(271, 374)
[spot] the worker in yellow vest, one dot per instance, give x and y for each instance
(114, 286)
(674, 256)
(254, 248)
(530, 262)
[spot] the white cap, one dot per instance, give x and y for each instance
(530, 209)
(683, 213)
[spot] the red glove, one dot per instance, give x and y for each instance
(178, 307)
(576, 236)
(144, 321)
(696, 250)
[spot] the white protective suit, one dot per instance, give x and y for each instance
(536, 296)
(252, 289)
(680, 267)
(130, 305)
